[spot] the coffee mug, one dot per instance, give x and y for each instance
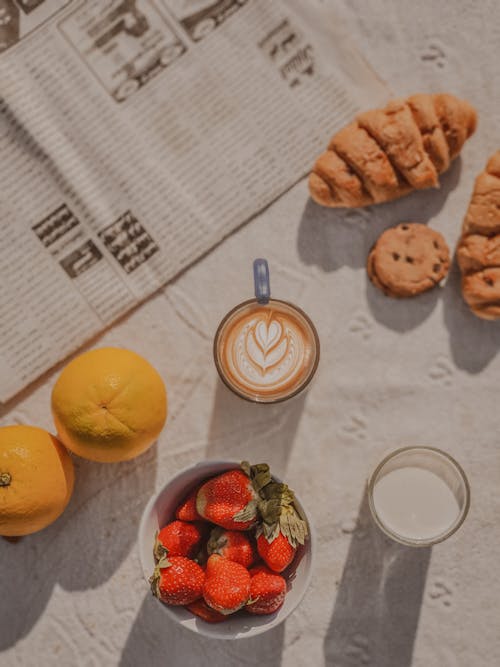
(266, 350)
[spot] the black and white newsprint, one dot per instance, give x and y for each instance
(135, 135)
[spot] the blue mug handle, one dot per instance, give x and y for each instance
(261, 280)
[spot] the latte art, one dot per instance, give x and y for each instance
(266, 350)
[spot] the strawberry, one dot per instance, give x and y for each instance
(200, 608)
(260, 567)
(187, 509)
(227, 585)
(267, 591)
(277, 554)
(282, 529)
(232, 544)
(228, 500)
(177, 538)
(177, 580)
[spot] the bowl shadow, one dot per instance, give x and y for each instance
(155, 640)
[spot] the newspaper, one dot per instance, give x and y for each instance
(137, 134)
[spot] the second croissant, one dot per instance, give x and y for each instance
(386, 153)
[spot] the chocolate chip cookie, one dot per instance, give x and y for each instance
(408, 259)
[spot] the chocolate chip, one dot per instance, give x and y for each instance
(489, 281)
(436, 267)
(405, 227)
(395, 256)
(435, 244)
(409, 259)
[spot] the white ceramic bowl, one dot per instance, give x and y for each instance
(160, 510)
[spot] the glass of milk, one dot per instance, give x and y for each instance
(419, 495)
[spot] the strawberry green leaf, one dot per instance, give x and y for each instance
(271, 531)
(154, 581)
(217, 540)
(163, 562)
(292, 526)
(259, 474)
(248, 513)
(159, 550)
(245, 466)
(280, 515)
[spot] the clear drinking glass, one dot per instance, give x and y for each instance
(266, 350)
(419, 496)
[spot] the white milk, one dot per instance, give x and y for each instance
(415, 503)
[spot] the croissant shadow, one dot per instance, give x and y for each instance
(155, 640)
(83, 548)
(332, 238)
(473, 342)
(377, 609)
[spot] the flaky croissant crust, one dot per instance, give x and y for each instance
(478, 251)
(387, 153)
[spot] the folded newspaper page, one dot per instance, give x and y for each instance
(137, 134)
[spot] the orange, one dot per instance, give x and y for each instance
(36, 479)
(109, 405)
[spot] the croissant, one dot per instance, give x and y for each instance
(386, 153)
(478, 251)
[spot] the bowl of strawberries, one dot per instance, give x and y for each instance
(227, 549)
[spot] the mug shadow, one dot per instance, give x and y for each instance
(155, 640)
(251, 431)
(473, 342)
(83, 548)
(377, 609)
(332, 238)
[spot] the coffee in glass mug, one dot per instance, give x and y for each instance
(266, 350)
